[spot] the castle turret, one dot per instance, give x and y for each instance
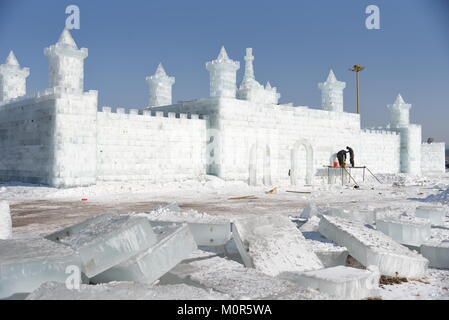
(66, 64)
(250, 89)
(400, 113)
(410, 134)
(332, 93)
(223, 76)
(12, 79)
(160, 86)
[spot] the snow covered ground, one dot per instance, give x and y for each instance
(38, 210)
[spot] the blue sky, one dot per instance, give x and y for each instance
(295, 44)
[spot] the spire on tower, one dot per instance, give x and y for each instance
(331, 77)
(249, 68)
(11, 59)
(160, 71)
(67, 39)
(399, 100)
(223, 55)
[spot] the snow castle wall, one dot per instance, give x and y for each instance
(49, 138)
(262, 143)
(433, 158)
(153, 146)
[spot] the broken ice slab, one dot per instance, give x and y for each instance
(230, 277)
(274, 245)
(124, 291)
(341, 282)
(106, 240)
(372, 247)
(436, 215)
(329, 253)
(27, 263)
(208, 231)
(174, 243)
(436, 250)
(407, 230)
(363, 216)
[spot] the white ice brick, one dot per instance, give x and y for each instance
(436, 250)
(106, 240)
(372, 247)
(405, 230)
(124, 291)
(27, 263)
(329, 253)
(275, 245)
(207, 230)
(174, 244)
(436, 215)
(341, 282)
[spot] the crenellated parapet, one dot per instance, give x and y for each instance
(12, 79)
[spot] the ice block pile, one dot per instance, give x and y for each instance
(108, 247)
(27, 263)
(174, 254)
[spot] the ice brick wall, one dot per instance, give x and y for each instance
(154, 147)
(262, 143)
(26, 139)
(433, 158)
(49, 138)
(75, 139)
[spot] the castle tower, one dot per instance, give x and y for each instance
(223, 76)
(249, 68)
(410, 135)
(12, 79)
(160, 86)
(400, 113)
(250, 89)
(66, 64)
(332, 93)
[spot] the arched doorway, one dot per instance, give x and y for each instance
(301, 163)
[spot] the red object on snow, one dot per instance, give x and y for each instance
(84, 199)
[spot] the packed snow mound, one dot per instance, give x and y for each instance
(123, 291)
(442, 197)
(5, 221)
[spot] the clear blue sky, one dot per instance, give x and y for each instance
(295, 44)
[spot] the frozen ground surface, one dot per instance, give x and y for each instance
(40, 210)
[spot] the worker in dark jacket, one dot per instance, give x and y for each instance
(351, 156)
(341, 156)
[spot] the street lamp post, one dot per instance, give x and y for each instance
(357, 68)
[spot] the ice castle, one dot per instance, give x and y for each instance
(61, 137)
